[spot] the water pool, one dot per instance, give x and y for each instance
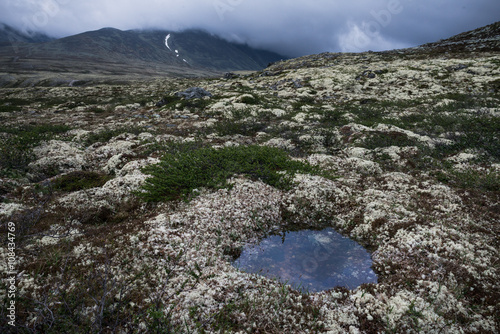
(309, 261)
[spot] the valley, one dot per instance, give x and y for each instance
(125, 222)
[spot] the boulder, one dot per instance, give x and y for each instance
(230, 75)
(193, 93)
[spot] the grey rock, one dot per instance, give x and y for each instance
(193, 93)
(366, 74)
(298, 83)
(270, 74)
(458, 67)
(230, 75)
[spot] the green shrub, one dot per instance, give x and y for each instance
(385, 139)
(8, 108)
(15, 154)
(106, 134)
(80, 180)
(369, 115)
(229, 127)
(96, 110)
(472, 179)
(12, 104)
(172, 102)
(198, 104)
(467, 132)
(16, 144)
(332, 118)
(180, 172)
(303, 101)
(250, 99)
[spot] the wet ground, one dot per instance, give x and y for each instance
(310, 260)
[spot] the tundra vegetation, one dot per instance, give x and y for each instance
(128, 212)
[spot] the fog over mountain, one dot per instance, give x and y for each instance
(292, 28)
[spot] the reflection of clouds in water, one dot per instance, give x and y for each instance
(269, 243)
(315, 260)
(251, 254)
(309, 265)
(321, 254)
(321, 239)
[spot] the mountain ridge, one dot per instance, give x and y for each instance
(10, 35)
(94, 50)
(110, 54)
(482, 38)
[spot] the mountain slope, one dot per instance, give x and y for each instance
(484, 38)
(10, 35)
(136, 51)
(214, 52)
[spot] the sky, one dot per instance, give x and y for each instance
(292, 28)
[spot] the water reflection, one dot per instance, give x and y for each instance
(310, 260)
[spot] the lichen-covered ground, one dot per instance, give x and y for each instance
(413, 139)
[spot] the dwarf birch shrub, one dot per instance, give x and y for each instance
(182, 171)
(17, 143)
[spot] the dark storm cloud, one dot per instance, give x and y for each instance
(290, 27)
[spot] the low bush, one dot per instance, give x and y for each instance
(12, 104)
(80, 180)
(472, 179)
(250, 99)
(182, 171)
(385, 139)
(16, 144)
(107, 134)
(228, 127)
(173, 102)
(8, 108)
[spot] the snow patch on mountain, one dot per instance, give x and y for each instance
(166, 42)
(176, 51)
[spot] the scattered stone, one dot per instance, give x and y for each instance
(230, 75)
(456, 68)
(193, 93)
(270, 73)
(366, 74)
(297, 83)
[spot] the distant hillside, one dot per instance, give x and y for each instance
(112, 51)
(207, 50)
(10, 35)
(484, 38)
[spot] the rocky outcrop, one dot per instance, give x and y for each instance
(193, 93)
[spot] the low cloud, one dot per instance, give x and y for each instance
(292, 28)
